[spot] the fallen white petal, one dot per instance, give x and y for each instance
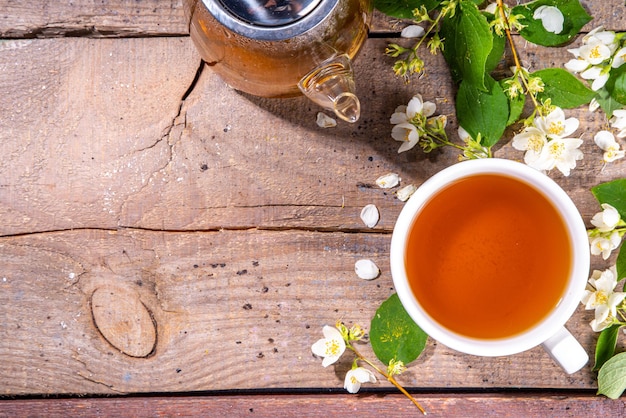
(370, 215)
(388, 181)
(412, 31)
(325, 121)
(551, 18)
(404, 193)
(366, 269)
(491, 8)
(605, 140)
(463, 134)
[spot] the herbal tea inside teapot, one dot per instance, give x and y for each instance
(282, 48)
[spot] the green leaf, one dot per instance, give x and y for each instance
(467, 41)
(616, 84)
(484, 112)
(613, 193)
(403, 9)
(565, 90)
(605, 347)
(496, 53)
(575, 17)
(620, 264)
(612, 377)
(606, 102)
(516, 105)
(394, 335)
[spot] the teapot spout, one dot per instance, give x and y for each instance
(331, 85)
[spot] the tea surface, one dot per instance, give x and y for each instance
(488, 257)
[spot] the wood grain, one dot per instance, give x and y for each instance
(92, 140)
(224, 303)
(130, 168)
(119, 18)
(81, 117)
(314, 405)
(111, 18)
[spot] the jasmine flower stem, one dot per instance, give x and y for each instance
(516, 60)
(387, 376)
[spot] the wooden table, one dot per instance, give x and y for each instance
(137, 187)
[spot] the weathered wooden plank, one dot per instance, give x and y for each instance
(314, 405)
(80, 116)
(114, 18)
(231, 309)
(107, 141)
(111, 18)
(95, 139)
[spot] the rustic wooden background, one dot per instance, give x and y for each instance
(162, 233)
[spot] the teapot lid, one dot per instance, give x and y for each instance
(269, 13)
(270, 20)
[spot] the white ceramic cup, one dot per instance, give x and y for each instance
(550, 332)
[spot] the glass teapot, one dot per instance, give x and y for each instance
(282, 48)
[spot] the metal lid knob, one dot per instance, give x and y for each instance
(270, 20)
(269, 13)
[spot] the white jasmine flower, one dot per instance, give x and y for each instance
(355, 377)
(593, 105)
(554, 125)
(412, 31)
(576, 65)
(366, 269)
(399, 115)
(593, 57)
(599, 75)
(561, 153)
(325, 121)
(404, 193)
(546, 143)
(388, 181)
(599, 82)
(370, 215)
(598, 326)
(598, 34)
(618, 121)
(607, 220)
(331, 347)
(407, 134)
(605, 244)
(595, 52)
(606, 141)
(619, 58)
(533, 141)
(551, 18)
(601, 297)
(404, 130)
(416, 106)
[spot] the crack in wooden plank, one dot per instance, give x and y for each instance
(175, 121)
(312, 228)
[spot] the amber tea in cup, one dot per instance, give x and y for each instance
(488, 244)
(490, 257)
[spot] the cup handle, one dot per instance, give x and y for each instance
(566, 351)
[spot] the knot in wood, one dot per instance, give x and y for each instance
(124, 321)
